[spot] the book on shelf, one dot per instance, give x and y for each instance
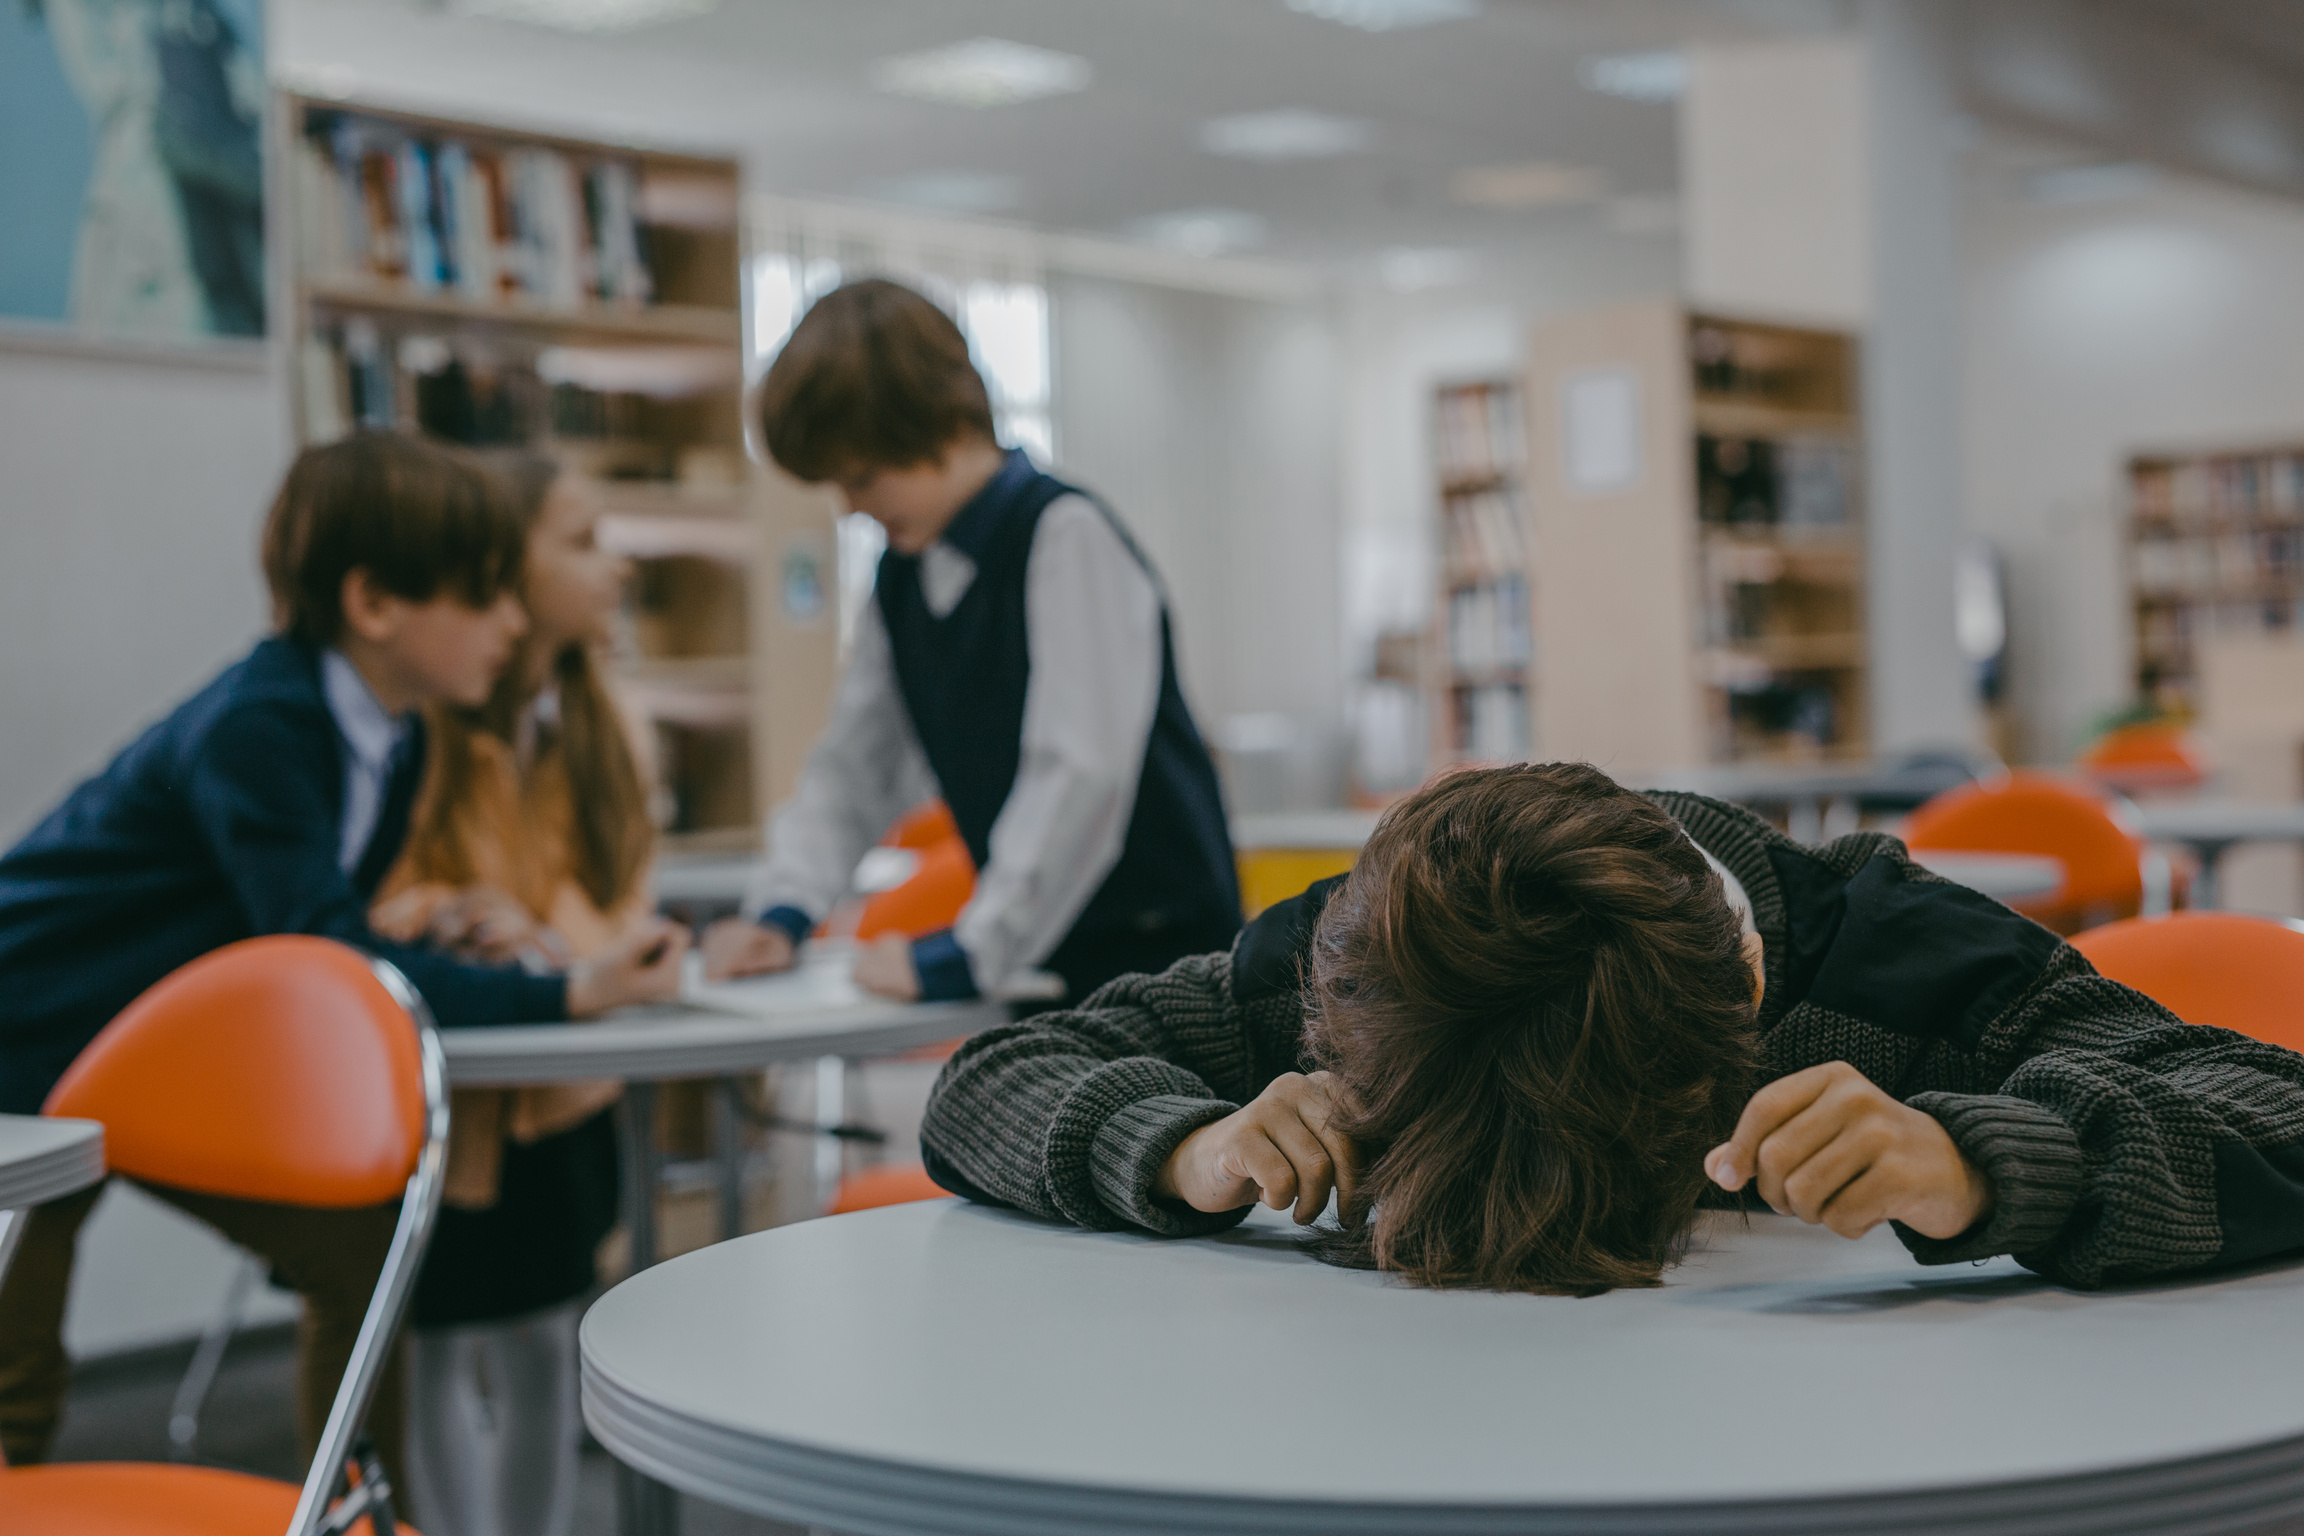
(1483, 532)
(1494, 723)
(379, 203)
(1478, 433)
(1796, 481)
(1488, 626)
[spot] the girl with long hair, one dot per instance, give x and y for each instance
(531, 842)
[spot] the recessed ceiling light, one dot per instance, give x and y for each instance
(1414, 269)
(588, 15)
(1530, 184)
(948, 191)
(1658, 75)
(2110, 182)
(1386, 15)
(1202, 231)
(1287, 134)
(982, 72)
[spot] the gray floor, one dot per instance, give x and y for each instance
(118, 1411)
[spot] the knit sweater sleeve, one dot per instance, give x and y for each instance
(2122, 1142)
(1070, 1115)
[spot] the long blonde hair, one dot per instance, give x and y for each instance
(611, 837)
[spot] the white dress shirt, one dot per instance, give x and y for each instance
(371, 735)
(1092, 618)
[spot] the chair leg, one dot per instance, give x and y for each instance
(207, 1359)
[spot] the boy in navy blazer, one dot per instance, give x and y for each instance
(273, 801)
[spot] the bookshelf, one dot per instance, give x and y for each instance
(495, 287)
(1483, 649)
(1695, 484)
(2215, 552)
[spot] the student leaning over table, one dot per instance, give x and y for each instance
(1544, 1018)
(273, 801)
(530, 843)
(1016, 660)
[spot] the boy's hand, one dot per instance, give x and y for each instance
(1278, 1149)
(885, 966)
(644, 967)
(484, 923)
(1829, 1147)
(737, 946)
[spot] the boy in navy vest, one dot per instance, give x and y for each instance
(273, 801)
(1016, 661)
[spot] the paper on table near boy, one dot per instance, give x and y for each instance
(824, 978)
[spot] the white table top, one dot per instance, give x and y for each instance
(1342, 831)
(2220, 821)
(2001, 876)
(942, 1367)
(43, 1159)
(712, 877)
(813, 1010)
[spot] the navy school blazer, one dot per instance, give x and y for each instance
(219, 823)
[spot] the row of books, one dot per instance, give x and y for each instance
(1782, 717)
(1483, 533)
(2220, 487)
(1805, 480)
(354, 377)
(1492, 723)
(2204, 565)
(1488, 626)
(378, 204)
(1477, 432)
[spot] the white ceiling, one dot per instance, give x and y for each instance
(785, 82)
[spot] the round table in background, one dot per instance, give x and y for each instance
(43, 1160)
(2212, 828)
(2001, 876)
(950, 1369)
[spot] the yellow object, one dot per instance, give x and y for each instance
(1268, 875)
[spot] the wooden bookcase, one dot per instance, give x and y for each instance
(2215, 551)
(1482, 643)
(495, 287)
(1695, 486)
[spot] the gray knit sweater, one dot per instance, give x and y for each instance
(2120, 1141)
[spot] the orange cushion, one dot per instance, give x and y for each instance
(897, 1184)
(2223, 968)
(137, 1498)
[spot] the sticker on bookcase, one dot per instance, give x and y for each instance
(803, 585)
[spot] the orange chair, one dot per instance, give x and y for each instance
(2147, 758)
(2222, 968)
(285, 1069)
(929, 901)
(894, 1184)
(2044, 814)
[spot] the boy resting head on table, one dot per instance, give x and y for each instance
(1545, 1018)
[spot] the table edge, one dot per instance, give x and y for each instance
(63, 1170)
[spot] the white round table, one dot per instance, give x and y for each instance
(2212, 828)
(43, 1160)
(945, 1368)
(2001, 876)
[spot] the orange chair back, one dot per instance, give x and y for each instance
(923, 826)
(929, 901)
(254, 1072)
(2043, 814)
(2138, 759)
(2222, 968)
(895, 1184)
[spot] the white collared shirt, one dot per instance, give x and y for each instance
(371, 736)
(1092, 615)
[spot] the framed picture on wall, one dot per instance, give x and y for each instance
(132, 170)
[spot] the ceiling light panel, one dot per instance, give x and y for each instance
(1288, 134)
(1202, 231)
(1385, 15)
(982, 72)
(1418, 269)
(948, 191)
(1658, 75)
(1528, 184)
(589, 15)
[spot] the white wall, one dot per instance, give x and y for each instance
(2171, 319)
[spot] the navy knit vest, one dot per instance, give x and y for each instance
(963, 679)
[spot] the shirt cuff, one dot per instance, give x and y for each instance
(794, 922)
(2034, 1162)
(942, 965)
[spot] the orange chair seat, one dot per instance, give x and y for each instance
(134, 1498)
(896, 1184)
(2223, 968)
(2046, 814)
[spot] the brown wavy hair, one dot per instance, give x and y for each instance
(1533, 991)
(874, 376)
(611, 837)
